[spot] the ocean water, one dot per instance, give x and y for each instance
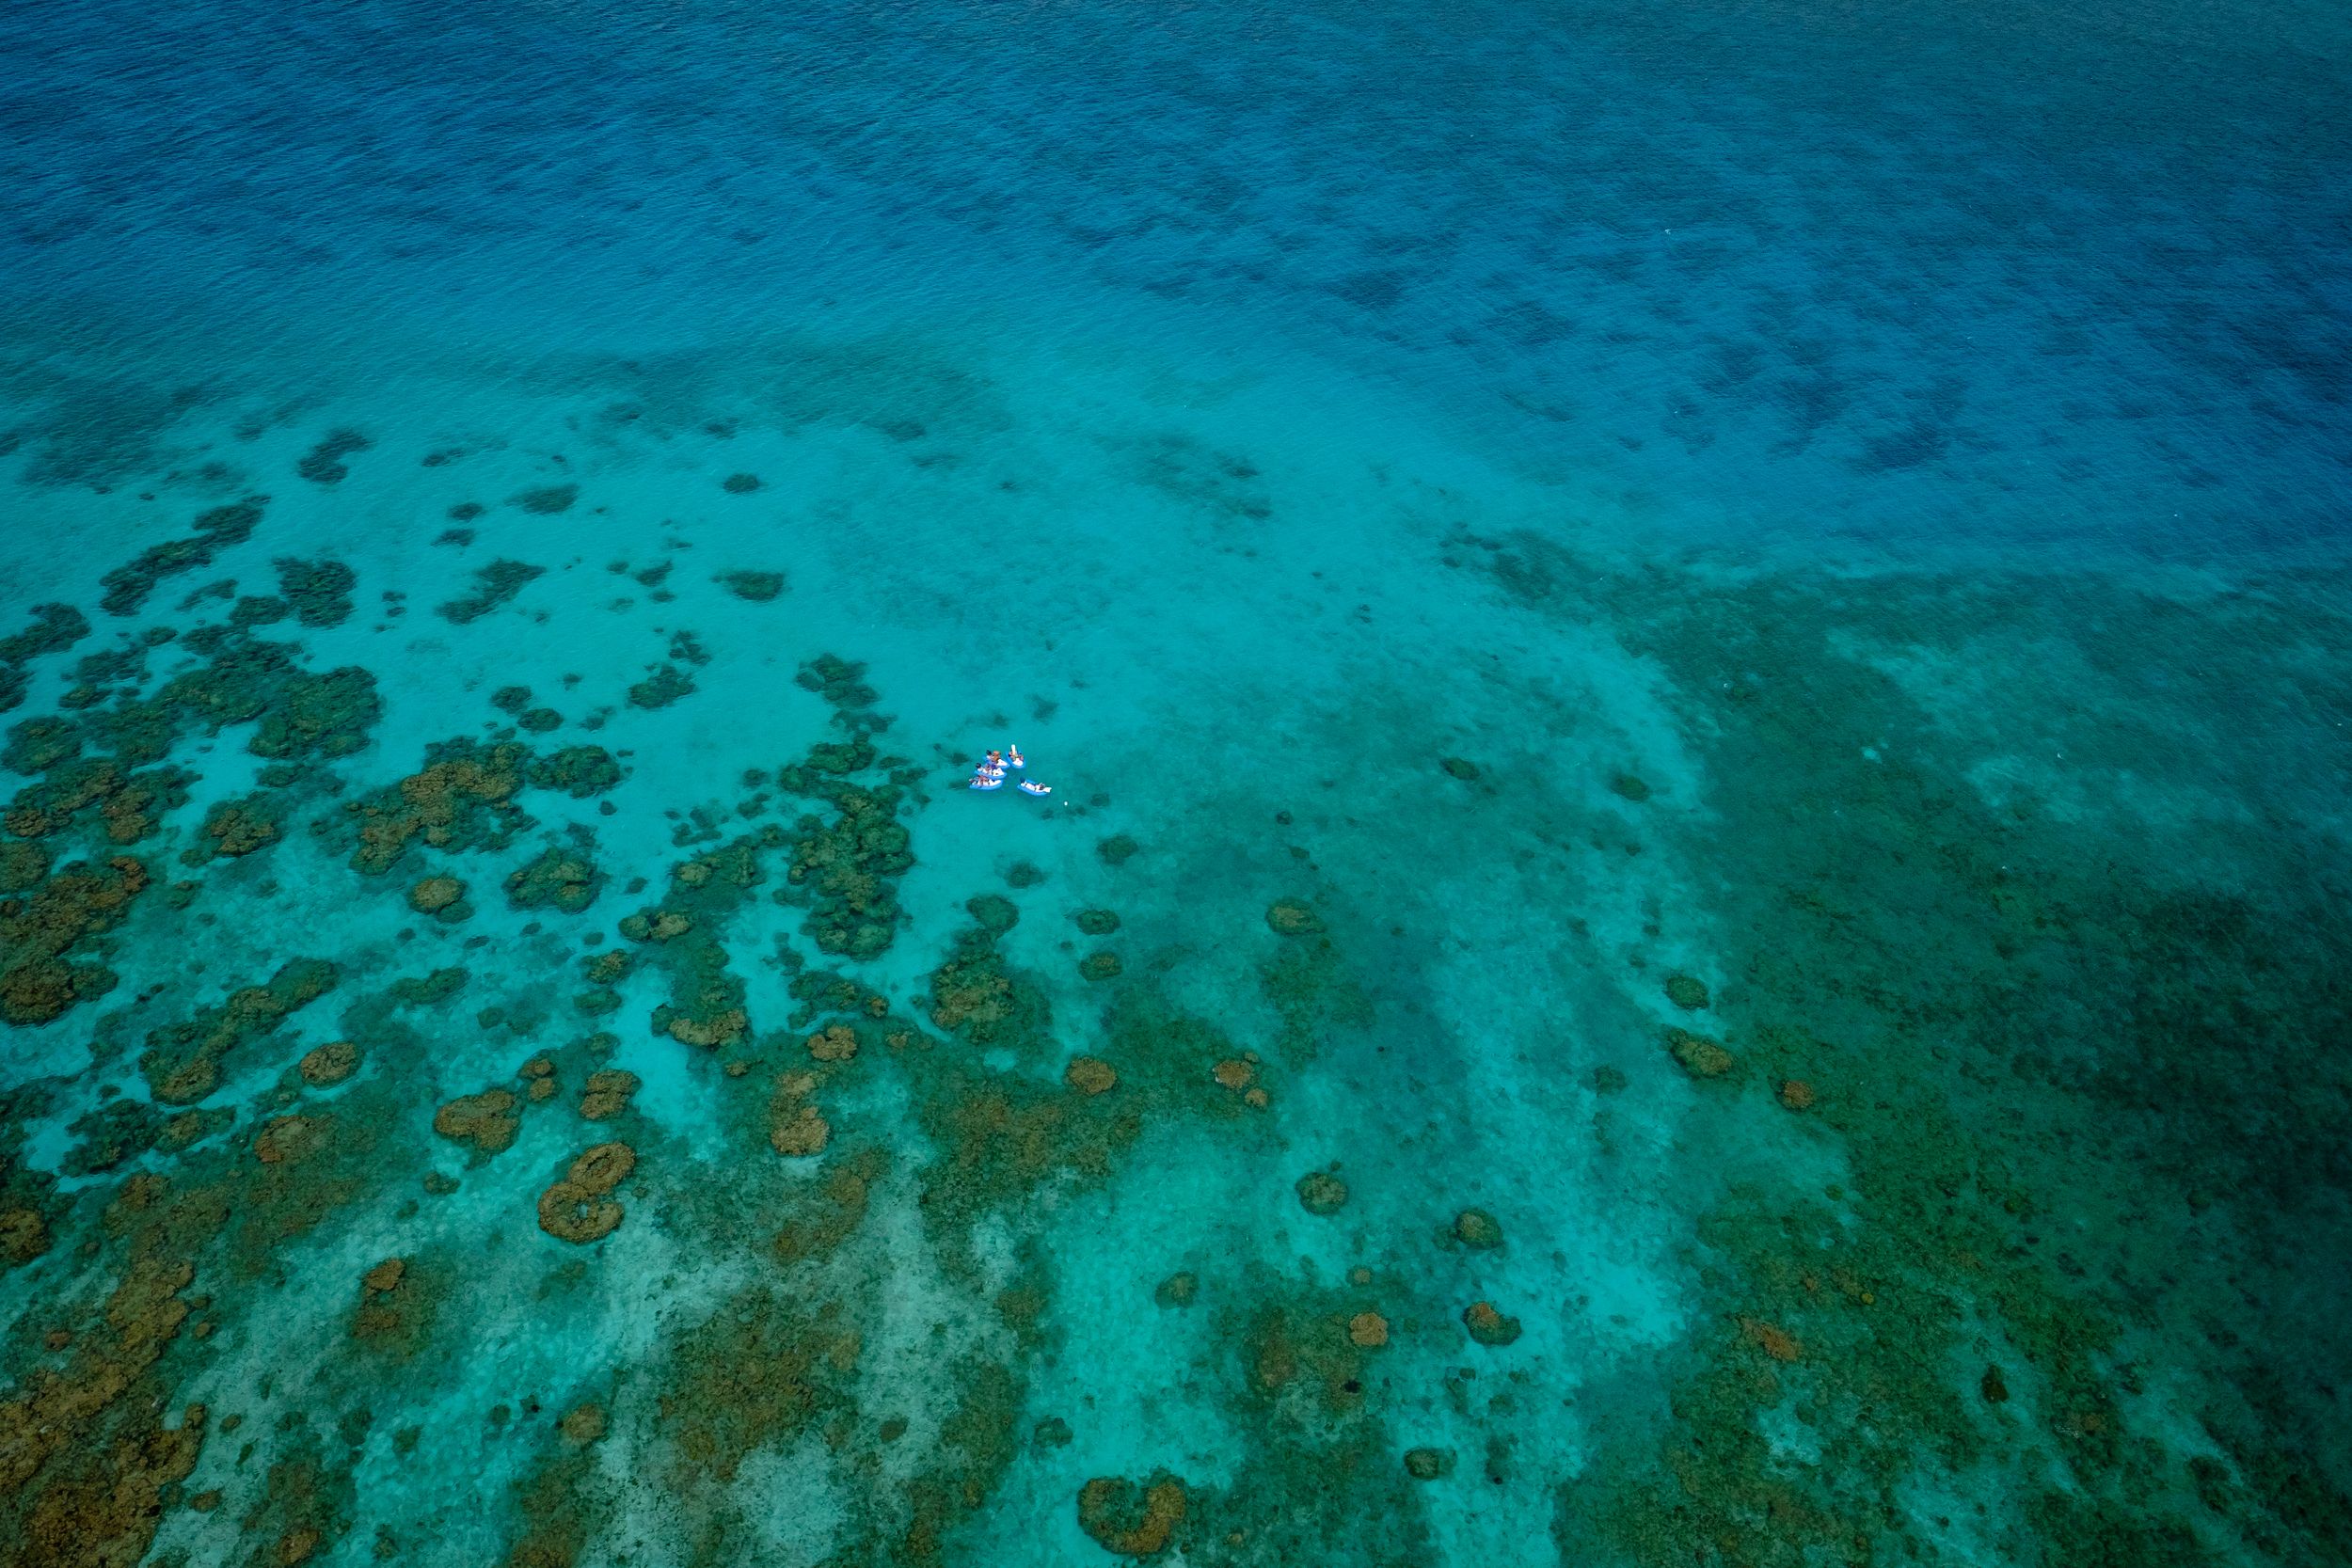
(1692, 664)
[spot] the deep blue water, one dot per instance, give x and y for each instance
(1695, 666)
(1917, 274)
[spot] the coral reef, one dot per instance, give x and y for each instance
(1099, 966)
(565, 879)
(1177, 1290)
(836, 1044)
(1090, 1076)
(494, 585)
(580, 772)
(1686, 992)
(1290, 918)
(1108, 1510)
(851, 863)
(462, 799)
(1117, 849)
(665, 686)
(322, 464)
(1475, 1227)
(431, 894)
(607, 1093)
(1700, 1058)
(1096, 923)
(1460, 770)
(485, 1121)
(1489, 1326)
(577, 1208)
(1630, 788)
(1797, 1094)
(1367, 1329)
(236, 827)
(757, 587)
(184, 1062)
(1427, 1463)
(330, 1065)
(319, 590)
(1322, 1192)
(547, 500)
(43, 925)
(128, 587)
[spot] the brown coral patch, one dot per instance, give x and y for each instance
(482, 1119)
(1700, 1058)
(724, 1029)
(1320, 1193)
(801, 1134)
(385, 1275)
(39, 929)
(1797, 1094)
(291, 1140)
(1107, 1512)
(1089, 1075)
(570, 1212)
(602, 1169)
(607, 1093)
(837, 1044)
(585, 1424)
(1290, 918)
(1778, 1343)
(1489, 1326)
(1235, 1074)
(331, 1064)
(1367, 1329)
(1475, 1227)
(435, 804)
(24, 1235)
(1256, 1099)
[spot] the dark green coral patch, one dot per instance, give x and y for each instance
(1687, 991)
(463, 798)
(425, 990)
(539, 721)
(1117, 849)
(55, 628)
(995, 914)
(129, 586)
(184, 1062)
(1630, 788)
(546, 500)
(1461, 770)
(494, 585)
(660, 689)
(838, 681)
(740, 484)
(323, 463)
(511, 699)
(564, 878)
(237, 827)
(581, 771)
(757, 587)
(45, 921)
(850, 864)
(131, 804)
(38, 745)
(1096, 923)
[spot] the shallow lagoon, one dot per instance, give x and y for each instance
(1693, 675)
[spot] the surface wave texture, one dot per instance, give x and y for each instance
(1690, 666)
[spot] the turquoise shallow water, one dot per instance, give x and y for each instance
(1693, 675)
